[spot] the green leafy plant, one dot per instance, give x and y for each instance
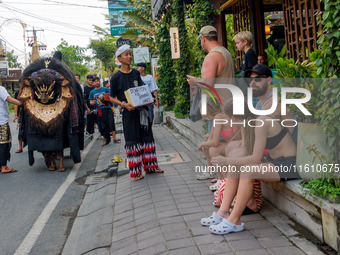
(328, 66)
(166, 81)
(182, 106)
(322, 187)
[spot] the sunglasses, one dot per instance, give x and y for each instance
(256, 79)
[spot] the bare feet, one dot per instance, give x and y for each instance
(105, 142)
(138, 177)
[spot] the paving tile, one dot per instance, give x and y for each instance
(200, 230)
(166, 208)
(124, 234)
(190, 210)
(285, 251)
(149, 233)
(244, 244)
(117, 230)
(254, 252)
(150, 242)
(123, 221)
(171, 220)
(274, 241)
(187, 205)
(193, 250)
(176, 234)
(258, 224)
(252, 217)
(146, 226)
(174, 226)
(210, 249)
(239, 236)
(167, 214)
(145, 213)
(146, 219)
(117, 245)
(266, 232)
(126, 250)
(194, 217)
(155, 249)
(180, 243)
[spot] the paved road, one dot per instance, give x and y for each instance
(25, 195)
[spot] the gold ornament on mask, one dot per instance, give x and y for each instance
(45, 94)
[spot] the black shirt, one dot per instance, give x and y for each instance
(120, 82)
(249, 60)
(87, 91)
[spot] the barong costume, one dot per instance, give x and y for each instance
(140, 145)
(53, 110)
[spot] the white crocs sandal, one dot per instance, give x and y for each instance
(225, 227)
(205, 176)
(212, 220)
(215, 186)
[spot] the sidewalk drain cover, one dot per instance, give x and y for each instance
(165, 159)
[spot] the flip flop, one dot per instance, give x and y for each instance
(116, 140)
(18, 151)
(52, 168)
(11, 170)
(62, 169)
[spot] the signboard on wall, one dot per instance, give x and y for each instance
(121, 42)
(13, 75)
(174, 41)
(3, 68)
(117, 20)
(141, 55)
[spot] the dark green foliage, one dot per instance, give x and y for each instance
(12, 60)
(74, 57)
(167, 76)
(182, 106)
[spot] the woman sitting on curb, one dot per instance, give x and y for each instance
(281, 154)
(213, 146)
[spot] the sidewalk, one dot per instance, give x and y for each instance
(161, 213)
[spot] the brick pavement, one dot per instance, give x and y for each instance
(161, 214)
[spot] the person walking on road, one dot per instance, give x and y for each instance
(99, 97)
(140, 144)
(91, 118)
(5, 132)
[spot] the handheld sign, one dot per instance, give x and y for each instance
(139, 96)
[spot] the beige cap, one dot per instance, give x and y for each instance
(208, 31)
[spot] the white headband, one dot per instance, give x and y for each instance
(122, 49)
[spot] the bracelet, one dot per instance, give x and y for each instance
(121, 104)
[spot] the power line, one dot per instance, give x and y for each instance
(11, 44)
(46, 19)
(80, 5)
(51, 30)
